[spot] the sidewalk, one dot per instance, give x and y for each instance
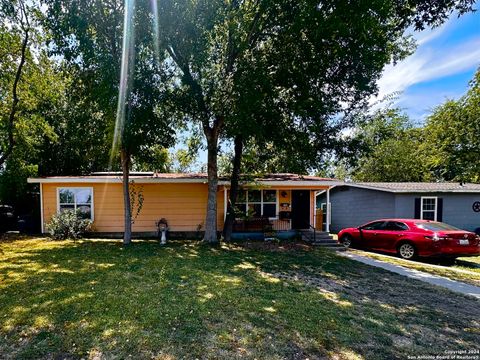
(456, 286)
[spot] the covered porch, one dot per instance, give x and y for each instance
(279, 209)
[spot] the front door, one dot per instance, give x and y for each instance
(300, 209)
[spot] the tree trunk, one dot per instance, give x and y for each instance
(234, 180)
(5, 153)
(211, 219)
(125, 159)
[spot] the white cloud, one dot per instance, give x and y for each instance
(426, 65)
(432, 60)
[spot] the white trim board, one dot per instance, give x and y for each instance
(42, 225)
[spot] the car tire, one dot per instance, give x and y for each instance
(346, 241)
(407, 251)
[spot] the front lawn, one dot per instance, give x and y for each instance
(97, 299)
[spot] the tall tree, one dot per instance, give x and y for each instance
(109, 48)
(15, 31)
(282, 69)
(42, 92)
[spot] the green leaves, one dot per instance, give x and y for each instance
(452, 132)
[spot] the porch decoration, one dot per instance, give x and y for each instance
(162, 226)
(285, 211)
(269, 234)
(476, 206)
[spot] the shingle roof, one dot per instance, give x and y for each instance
(265, 177)
(418, 187)
(151, 175)
(190, 177)
(291, 177)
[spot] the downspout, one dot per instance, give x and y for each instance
(315, 209)
(327, 225)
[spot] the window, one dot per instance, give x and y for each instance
(396, 226)
(257, 203)
(76, 199)
(377, 225)
(428, 207)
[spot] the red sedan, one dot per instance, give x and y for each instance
(410, 238)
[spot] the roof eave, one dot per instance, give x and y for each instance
(118, 180)
(412, 191)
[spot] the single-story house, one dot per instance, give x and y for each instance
(286, 200)
(355, 203)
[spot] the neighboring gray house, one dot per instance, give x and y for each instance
(353, 204)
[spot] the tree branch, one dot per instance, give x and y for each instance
(192, 83)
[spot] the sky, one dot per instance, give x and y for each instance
(444, 62)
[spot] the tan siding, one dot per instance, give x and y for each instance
(183, 205)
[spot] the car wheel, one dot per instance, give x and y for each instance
(346, 241)
(407, 251)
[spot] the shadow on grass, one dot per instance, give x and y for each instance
(187, 300)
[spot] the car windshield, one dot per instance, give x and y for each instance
(436, 226)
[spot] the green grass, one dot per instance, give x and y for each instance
(97, 299)
(465, 270)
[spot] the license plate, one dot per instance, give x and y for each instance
(463, 242)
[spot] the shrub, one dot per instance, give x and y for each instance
(68, 225)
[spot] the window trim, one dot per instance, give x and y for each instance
(435, 211)
(92, 212)
(277, 202)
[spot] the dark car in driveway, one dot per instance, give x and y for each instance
(410, 238)
(8, 220)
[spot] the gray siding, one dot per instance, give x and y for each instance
(353, 206)
(457, 208)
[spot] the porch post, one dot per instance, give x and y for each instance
(327, 225)
(315, 209)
